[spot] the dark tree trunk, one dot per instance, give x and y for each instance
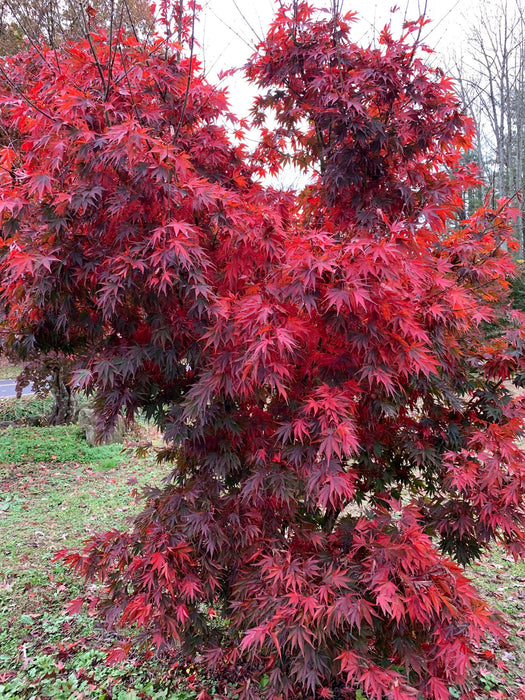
(64, 409)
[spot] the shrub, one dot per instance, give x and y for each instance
(336, 411)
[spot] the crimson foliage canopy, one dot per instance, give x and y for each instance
(331, 368)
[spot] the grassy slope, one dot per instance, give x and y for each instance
(44, 507)
(500, 672)
(8, 370)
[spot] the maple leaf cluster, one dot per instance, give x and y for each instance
(332, 369)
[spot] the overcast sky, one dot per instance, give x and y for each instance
(228, 29)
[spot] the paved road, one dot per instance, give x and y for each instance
(7, 389)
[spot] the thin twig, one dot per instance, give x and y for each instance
(25, 97)
(27, 32)
(190, 72)
(131, 22)
(246, 21)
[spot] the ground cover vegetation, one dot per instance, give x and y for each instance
(45, 652)
(332, 369)
(8, 370)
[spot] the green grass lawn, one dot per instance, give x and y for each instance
(55, 491)
(9, 371)
(500, 672)
(57, 444)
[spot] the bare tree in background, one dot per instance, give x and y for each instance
(491, 76)
(54, 21)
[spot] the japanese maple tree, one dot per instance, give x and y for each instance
(332, 368)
